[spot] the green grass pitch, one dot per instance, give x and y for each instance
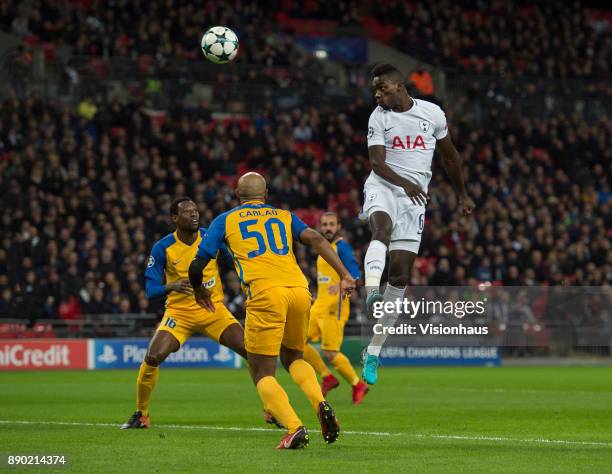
(509, 419)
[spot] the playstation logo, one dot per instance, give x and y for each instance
(108, 355)
(223, 355)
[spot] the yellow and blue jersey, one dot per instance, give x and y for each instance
(260, 240)
(327, 276)
(326, 304)
(169, 261)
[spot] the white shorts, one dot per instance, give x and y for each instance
(408, 218)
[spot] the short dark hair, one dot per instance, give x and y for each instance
(329, 213)
(389, 70)
(175, 204)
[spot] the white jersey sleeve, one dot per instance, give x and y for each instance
(440, 126)
(376, 129)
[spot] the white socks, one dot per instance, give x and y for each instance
(388, 320)
(374, 264)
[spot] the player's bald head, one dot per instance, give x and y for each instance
(251, 186)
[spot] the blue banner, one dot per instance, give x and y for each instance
(475, 356)
(129, 353)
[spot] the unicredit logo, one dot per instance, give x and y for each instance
(18, 356)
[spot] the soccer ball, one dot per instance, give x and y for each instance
(220, 44)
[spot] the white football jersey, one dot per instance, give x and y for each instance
(409, 138)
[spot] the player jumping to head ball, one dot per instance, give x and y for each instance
(403, 134)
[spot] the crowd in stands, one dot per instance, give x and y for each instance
(159, 29)
(507, 50)
(543, 39)
(85, 192)
(155, 40)
(510, 39)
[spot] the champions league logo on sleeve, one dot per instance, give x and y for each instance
(150, 262)
(370, 132)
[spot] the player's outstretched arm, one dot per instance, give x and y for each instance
(382, 169)
(320, 245)
(452, 162)
(347, 257)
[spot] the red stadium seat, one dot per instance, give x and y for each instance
(71, 309)
(31, 40)
(49, 51)
(379, 31)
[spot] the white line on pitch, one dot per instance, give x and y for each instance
(516, 440)
(183, 427)
(514, 391)
(363, 433)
